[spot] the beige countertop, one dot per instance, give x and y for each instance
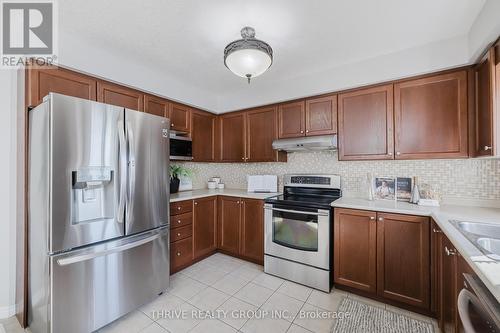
(487, 269)
(197, 194)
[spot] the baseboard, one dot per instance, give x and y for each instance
(7, 311)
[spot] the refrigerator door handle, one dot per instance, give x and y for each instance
(123, 170)
(89, 256)
(131, 168)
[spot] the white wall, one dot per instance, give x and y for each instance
(7, 191)
(486, 29)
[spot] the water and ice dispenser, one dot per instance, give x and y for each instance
(93, 194)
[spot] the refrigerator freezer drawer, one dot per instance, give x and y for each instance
(90, 289)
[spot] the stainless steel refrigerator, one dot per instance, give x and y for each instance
(98, 213)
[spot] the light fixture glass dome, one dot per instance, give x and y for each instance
(248, 57)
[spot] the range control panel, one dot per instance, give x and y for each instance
(320, 181)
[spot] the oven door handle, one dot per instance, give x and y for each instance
(298, 212)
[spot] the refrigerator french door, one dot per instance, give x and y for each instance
(98, 213)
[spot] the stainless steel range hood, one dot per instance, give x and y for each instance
(323, 142)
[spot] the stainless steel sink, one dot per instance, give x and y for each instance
(484, 236)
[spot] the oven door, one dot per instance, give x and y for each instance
(301, 235)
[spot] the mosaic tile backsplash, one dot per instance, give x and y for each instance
(460, 179)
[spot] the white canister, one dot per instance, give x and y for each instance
(215, 179)
(212, 185)
(221, 186)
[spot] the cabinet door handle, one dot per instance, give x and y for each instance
(307, 131)
(178, 234)
(487, 148)
(243, 158)
(450, 252)
(178, 254)
(195, 203)
(301, 132)
(398, 153)
(380, 219)
(172, 125)
(390, 153)
(179, 208)
(372, 218)
(437, 231)
(179, 221)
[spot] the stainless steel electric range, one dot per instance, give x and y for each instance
(299, 230)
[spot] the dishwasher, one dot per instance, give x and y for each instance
(479, 311)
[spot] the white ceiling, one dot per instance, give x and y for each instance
(183, 40)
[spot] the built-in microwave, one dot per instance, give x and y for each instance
(181, 147)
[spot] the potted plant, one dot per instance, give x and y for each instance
(177, 171)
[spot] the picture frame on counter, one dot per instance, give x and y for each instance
(404, 186)
(384, 188)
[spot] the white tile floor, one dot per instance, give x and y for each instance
(208, 296)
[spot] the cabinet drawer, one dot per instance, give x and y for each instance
(181, 253)
(181, 233)
(181, 220)
(181, 207)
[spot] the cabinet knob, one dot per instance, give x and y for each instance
(301, 132)
(380, 219)
(398, 153)
(390, 153)
(195, 203)
(238, 202)
(307, 131)
(178, 254)
(243, 158)
(450, 252)
(487, 148)
(178, 221)
(172, 125)
(437, 231)
(179, 208)
(372, 218)
(178, 234)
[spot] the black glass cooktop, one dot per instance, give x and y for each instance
(314, 198)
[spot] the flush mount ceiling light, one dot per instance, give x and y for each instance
(248, 57)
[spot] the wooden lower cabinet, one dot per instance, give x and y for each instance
(181, 230)
(229, 225)
(181, 254)
(241, 228)
(403, 259)
(252, 229)
(451, 267)
(355, 246)
(386, 256)
(447, 286)
(204, 226)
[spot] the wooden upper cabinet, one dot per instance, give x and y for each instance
(232, 137)
(262, 129)
(403, 259)
(204, 226)
(291, 120)
(252, 229)
(156, 105)
(430, 116)
(203, 126)
(42, 81)
(366, 124)
(114, 94)
(484, 75)
(179, 117)
(321, 115)
(355, 249)
(229, 227)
